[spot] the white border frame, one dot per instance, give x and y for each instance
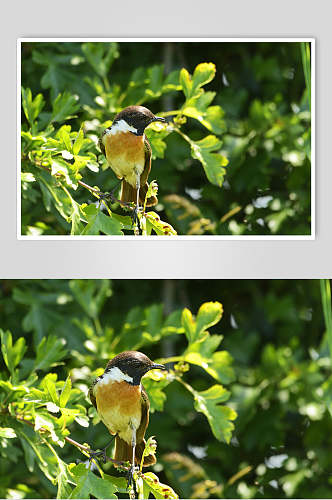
(312, 236)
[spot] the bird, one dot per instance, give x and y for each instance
(128, 153)
(123, 405)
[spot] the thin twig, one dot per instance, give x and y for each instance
(73, 442)
(99, 194)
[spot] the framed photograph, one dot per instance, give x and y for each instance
(193, 138)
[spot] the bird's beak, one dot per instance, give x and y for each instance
(155, 366)
(159, 119)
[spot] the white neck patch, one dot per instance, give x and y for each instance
(115, 375)
(121, 126)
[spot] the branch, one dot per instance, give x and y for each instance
(99, 194)
(71, 441)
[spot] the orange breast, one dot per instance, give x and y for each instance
(119, 407)
(118, 394)
(125, 146)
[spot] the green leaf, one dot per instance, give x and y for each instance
(54, 196)
(185, 82)
(203, 74)
(99, 223)
(100, 55)
(63, 480)
(155, 74)
(153, 222)
(208, 315)
(49, 353)
(39, 319)
(87, 483)
(219, 417)
(65, 393)
(213, 163)
(7, 432)
(305, 53)
(33, 450)
(12, 354)
(217, 364)
(91, 294)
(325, 290)
(188, 324)
(78, 142)
(155, 390)
(157, 142)
(48, 384)
(211, 118)
(64, 135)
(153, 485)
(32, 107)
(64, 107)
(60, 166)
(150, 449)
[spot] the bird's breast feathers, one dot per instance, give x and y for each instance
(118, 404)
(125, 152)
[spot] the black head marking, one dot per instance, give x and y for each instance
(133, 363)
(138, 117)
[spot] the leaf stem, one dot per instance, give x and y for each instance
(327, 310)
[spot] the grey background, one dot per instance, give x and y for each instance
(161, 258)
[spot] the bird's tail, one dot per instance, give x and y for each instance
(129, 194)
(123, 452)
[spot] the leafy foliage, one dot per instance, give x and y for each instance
(263, 354)
(234, 157)
(43, 403)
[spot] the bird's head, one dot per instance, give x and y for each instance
(130, 366)
(135, 119)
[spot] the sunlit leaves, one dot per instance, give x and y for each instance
(32, 107)
(215, 363)
(155, 390)
(206, 151)
(153, 222)
(45, 408)
(7, 432)
(99, 223)
(208, 315)
(66, 154)
(91, 294)
(65, 393)
(64, 107)
(151, 484)
(87, 484)
(50, 352)
(100, 56)
(219, 416)
(12, 353)
(203, 74)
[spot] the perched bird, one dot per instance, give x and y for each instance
(128, 152)
(123, 405)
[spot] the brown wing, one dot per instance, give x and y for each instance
(144, 177)
(100, 142)
(147, 164)
(91, 395)
(145, 416)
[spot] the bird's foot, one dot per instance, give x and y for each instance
(135, 218)
(131, 482)
(113, 199)
(98, 454)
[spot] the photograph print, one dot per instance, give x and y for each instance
(198, 138)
